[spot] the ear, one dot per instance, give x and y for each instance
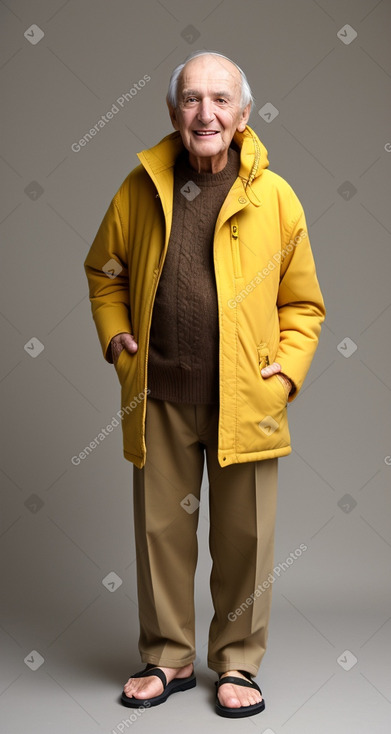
(173, 116)
(245, 114)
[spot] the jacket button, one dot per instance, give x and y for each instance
(242, 200)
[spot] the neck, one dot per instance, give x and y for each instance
(213, 164)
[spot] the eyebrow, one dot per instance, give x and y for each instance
(196, 93)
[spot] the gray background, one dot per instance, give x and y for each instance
(64, 528)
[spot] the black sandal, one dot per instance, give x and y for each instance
(177, 684)
(241, 711)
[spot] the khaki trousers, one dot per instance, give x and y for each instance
(242, 509)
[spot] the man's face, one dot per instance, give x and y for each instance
(208, 111)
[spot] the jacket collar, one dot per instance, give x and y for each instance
(253, 155)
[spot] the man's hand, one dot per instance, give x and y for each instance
(274, 369)
(122, 341)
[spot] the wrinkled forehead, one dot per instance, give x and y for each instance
(208, 74)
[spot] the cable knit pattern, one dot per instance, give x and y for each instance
(184, 340)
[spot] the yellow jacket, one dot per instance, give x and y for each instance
(270, 306)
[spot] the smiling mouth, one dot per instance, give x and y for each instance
(205, 133)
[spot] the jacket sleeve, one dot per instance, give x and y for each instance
(107, 273)
(300, 303)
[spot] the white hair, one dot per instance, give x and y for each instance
(246, 96)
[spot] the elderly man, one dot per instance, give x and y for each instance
(205, 297)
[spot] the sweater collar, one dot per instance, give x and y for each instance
(206, 178)
(253, 155)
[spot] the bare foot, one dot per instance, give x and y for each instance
(235, 696)
(151, 686)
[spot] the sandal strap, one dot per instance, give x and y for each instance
(243, 672)
(156, 671)
(246, 673)
(151, 669)
(249, 683)
(236, 681)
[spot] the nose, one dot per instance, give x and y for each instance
(205, 111)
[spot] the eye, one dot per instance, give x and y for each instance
(221, 100)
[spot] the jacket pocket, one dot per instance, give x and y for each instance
(126, 368)
(119, 359)
(237, 266)
(283, 384)
(263, 355)
(273, 381)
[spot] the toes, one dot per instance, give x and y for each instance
(128, 690)
(232, 702)
(252, 700)
(133, 692)
(139, 694)
(148, 689)
(237, 698)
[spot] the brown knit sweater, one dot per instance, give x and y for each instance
(184, 341)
